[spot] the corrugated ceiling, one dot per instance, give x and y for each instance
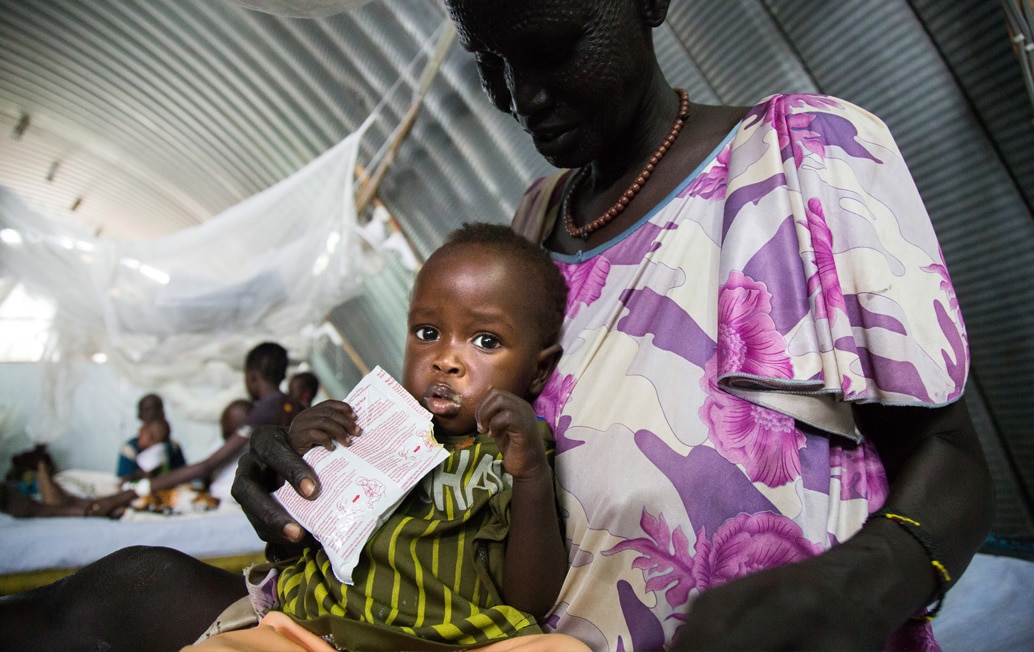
(149, 116)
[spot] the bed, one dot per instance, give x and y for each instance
(37, 551)
(988, 609)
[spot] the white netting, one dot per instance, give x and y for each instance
(179, 313)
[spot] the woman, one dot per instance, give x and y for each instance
(791, 293)
(730, 335)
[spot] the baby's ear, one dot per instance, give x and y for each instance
(544, 365)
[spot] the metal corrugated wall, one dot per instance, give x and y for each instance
(159, 113)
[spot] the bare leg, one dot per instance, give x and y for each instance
(55, 501)
(137, 598)
(15, 503)
(50, 492)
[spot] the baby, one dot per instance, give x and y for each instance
(152, 451)
(476, 552)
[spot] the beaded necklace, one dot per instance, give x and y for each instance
(633, 190)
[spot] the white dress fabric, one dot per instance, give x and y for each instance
(702, 404)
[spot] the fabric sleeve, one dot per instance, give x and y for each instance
(539, 207)
(126, 459)
(274, 410)
(833, 276)
(176, 458)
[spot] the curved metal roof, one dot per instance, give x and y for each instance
(138, 118)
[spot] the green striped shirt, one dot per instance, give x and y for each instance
(433, 569)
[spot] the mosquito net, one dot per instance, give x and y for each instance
(181, 311)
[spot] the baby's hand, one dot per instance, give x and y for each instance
(322, 425)
(512, 422)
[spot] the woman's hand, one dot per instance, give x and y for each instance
(802, 606)
(275, 455)
(854, 595)
(269, 460)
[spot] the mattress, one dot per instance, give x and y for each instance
(43, 544)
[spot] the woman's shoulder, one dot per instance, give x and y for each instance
(780, 107)
(538, 208)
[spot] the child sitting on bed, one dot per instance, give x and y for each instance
(473, 554)
(152, 452)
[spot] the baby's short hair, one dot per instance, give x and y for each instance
(307, 380)
(540, 268)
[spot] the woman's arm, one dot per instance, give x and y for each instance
(857, 593)
(206, 468)
(939, 477)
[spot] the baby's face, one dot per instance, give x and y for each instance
(470, 330)
(151, 433)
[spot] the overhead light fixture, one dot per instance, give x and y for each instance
(11, 237)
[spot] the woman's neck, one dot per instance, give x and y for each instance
(706, 127)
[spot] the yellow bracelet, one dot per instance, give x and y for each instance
(913, 526)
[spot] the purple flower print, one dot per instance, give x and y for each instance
(861, 473)
(796, 135)
(941, 270)
(748, 543)
(782, 103)
(821, 102)
(957, 360)
(663, 557)
(762, 441)
(748, 342)
(825, 278)
(794, 131)
(711, 183)
(585, 282)
(553, 398)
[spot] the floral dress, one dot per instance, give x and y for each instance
(711, 353)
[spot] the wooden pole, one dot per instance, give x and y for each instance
(367, 192)
(369, 188)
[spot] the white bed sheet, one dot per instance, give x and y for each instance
(31, 544)
(989, 608)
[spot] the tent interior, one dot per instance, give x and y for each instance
(182, 179)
